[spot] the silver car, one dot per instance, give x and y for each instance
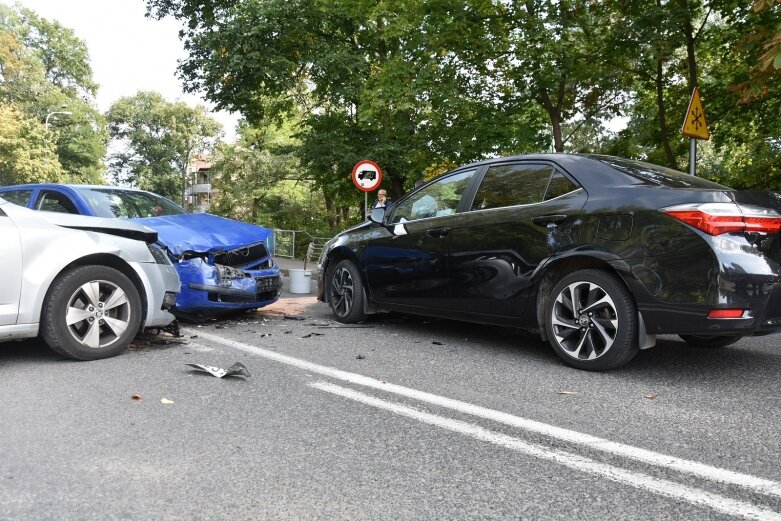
(86, 285)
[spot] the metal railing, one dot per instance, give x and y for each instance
(287, 242)
(284, 244)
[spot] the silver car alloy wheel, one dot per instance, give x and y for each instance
(584, 320)
(342, 291)
(98, 314)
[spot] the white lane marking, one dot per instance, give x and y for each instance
(747, 481)
(626, 477)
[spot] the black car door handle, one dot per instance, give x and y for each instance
(545, 220)
(437, 233)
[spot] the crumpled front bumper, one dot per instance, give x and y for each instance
(213, 289)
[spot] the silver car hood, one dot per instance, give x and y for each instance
(111, 226)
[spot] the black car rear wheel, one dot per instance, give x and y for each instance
(711, 341)
(591, 321)
(345, 292)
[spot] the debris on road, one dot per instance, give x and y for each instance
(437, 343)
(293, 317)
(166, 401)
(136, 397)
(567, 393)
(360, 357)
(237, 369)
(313, 333)
(649, 396)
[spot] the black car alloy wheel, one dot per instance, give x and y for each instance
(346, 292)
(591, 321)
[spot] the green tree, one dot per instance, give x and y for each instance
(25, 154)
(362, 75)
(157, 141)
(44, 66)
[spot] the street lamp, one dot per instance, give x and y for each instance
(50, 114)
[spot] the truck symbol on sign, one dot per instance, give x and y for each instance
(371, 175)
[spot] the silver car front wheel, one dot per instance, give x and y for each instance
(91, 312)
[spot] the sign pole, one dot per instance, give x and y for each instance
(695, 126)
(366, 204)
(692, 156)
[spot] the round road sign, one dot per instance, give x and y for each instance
(367, 176)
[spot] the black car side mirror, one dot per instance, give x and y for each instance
(377, 215)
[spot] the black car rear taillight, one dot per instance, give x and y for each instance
(719, 218)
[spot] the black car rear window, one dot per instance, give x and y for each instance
(658, 175)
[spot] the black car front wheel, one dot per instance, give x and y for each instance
(591, 321)
(711, 341)
(345, 292)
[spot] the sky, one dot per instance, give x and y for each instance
(128, 52)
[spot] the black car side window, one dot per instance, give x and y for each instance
(511, 185)
(434, 200)
(19, 197)
(559, 185)
(55, 202)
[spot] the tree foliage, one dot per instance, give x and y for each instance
(157, 141)
(44, 68)
(416, 85)
(25, 154)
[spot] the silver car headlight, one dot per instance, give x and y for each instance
(159, 254)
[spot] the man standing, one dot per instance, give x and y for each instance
(382, 199)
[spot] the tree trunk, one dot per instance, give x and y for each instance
(664, 134)
(554, 112)
(691, 59)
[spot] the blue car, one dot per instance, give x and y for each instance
(225, 266)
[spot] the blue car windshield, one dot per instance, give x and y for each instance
(128, 204)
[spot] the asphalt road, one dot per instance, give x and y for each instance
(398, 418)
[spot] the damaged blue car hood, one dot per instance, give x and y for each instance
(203, 232)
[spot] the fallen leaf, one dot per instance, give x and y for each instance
(135, 396)
(166, 401)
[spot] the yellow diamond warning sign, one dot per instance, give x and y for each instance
(695, 125)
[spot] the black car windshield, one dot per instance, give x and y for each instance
(658, 175)
(128, 204)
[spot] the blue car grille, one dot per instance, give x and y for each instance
(242, 256)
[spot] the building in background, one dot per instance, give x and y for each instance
(199, 191)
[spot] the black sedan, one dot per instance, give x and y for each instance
(595, 253)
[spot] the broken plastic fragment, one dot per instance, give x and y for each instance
(237, 369)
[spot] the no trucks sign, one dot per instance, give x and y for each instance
(367, 176)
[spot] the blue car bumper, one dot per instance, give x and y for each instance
(209, 289)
